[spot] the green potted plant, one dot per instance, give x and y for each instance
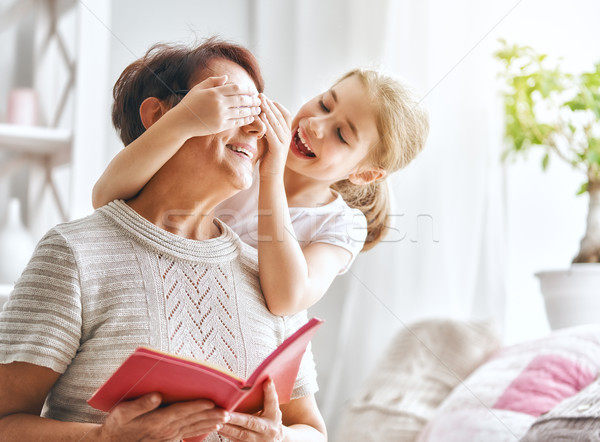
(559, 114)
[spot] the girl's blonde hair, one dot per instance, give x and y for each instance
(402, 125)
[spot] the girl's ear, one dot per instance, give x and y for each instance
(151, 110)
(366, 176)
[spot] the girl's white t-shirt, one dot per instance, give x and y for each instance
(333, 223)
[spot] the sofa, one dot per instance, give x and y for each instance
(445, 380)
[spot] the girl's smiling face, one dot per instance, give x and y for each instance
(333, 133)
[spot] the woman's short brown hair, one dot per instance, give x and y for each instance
(165, 69)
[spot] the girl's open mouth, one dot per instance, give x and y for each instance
(300, 146)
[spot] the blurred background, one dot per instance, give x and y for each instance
(469, 231)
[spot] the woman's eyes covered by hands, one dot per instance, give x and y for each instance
(213, 106)
(277, 120)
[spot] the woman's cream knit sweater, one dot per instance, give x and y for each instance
(97, 288)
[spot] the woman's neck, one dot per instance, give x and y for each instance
(302, 191)
(174, 211)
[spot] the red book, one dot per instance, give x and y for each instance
(180, 379)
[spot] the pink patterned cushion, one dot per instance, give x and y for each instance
(546, 381)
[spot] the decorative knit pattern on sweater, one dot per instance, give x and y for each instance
(97, 288)
(201, 312)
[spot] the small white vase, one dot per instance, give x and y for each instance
(16, 245)
(572, 296)
(22, 107)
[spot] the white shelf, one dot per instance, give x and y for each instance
(15, 12)
(69, 41)
(34, 140)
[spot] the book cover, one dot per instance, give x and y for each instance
(182, 379)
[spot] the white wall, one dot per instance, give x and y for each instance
(8, 45)
(14, 39)
(8, 42)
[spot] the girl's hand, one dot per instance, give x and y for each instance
(212, 106)
(278, 136)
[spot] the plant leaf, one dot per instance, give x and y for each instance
(545, 161)
(533, 88)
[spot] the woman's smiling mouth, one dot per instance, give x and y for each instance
(240, 150)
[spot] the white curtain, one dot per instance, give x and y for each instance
(446, 255)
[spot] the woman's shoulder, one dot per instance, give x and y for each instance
(79, 231)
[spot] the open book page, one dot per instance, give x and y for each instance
(185, 360)
(180, 379)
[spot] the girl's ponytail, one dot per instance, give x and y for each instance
(402, 125)
(373, 201)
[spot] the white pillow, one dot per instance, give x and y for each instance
(423, 364)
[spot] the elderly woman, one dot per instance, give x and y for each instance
(158, 270)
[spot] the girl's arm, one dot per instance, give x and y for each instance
(209, 107)
(292, 279)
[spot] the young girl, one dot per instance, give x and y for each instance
(320, 195)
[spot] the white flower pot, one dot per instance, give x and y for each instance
(572, 296)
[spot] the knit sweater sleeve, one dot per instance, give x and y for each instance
(41, 322)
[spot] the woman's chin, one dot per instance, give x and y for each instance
(242, 180)
(246, 183)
